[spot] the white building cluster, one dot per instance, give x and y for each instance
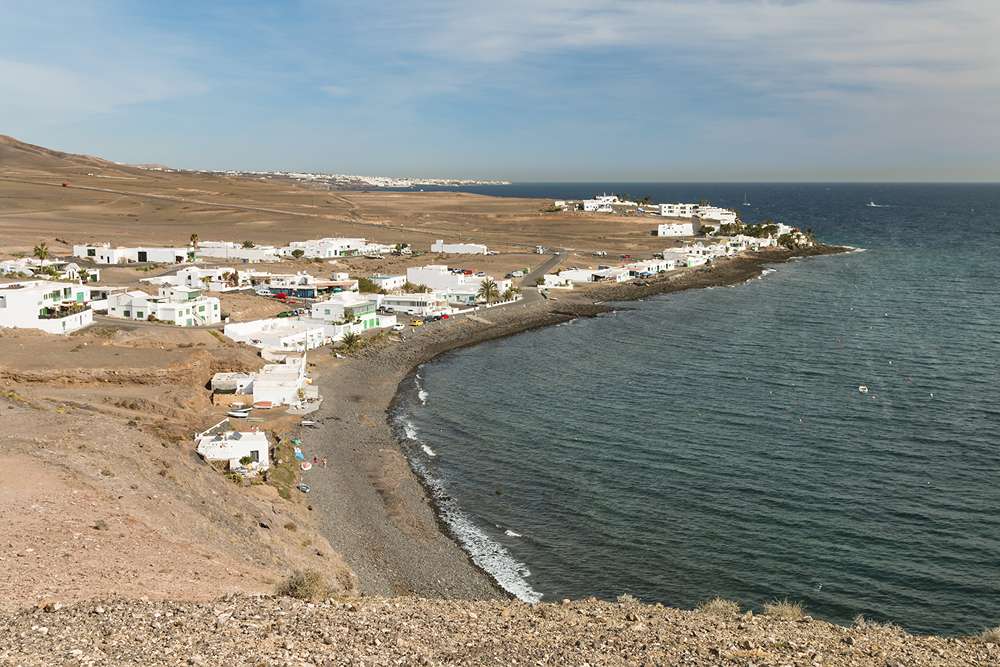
(179, 305)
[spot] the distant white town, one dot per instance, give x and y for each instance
(345, 180)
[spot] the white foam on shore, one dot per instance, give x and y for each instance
(511, 533)
(487, 554)
(428, 451)
(409, 430)
(422, 395)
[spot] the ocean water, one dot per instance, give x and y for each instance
(716, 442)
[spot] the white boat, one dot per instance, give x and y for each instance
(872, 204)
(746, 200)
(239, 414)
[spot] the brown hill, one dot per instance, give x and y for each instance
(19, 156)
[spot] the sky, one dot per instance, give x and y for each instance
(540, 90)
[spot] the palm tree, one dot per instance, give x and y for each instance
(350, 340)
(41, 251)
(194, 241)
(488, 291)
(248, 244)
(510, 293)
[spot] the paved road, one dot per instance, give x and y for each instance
(528, 282)
(131, 324)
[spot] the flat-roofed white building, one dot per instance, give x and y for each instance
(388, 283)
(421, 304)
(326, 248)
(348, 308)
(178, 305)
(54, 307)
(283, 334)
(459, 248)
(232, 251)
(104, 253)
(715, 216)
(281, 384)
(246, 452)
(678, 210)
(675, 229)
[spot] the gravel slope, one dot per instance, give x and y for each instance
(376, 631)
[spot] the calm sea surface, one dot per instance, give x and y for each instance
(715, 442)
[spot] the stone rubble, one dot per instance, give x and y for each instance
(270, 631)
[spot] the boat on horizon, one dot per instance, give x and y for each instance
(872, 204)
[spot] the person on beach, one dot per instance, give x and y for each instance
(324, 461)
(315, 460)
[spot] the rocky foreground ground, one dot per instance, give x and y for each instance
(243, 630)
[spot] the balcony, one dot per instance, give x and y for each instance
(61, 311)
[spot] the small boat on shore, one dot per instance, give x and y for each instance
(309, 422)
(263, 405)
(239, 413)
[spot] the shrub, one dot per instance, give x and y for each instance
(290, 526)
(991, 636)
(719, 607)
(783, 609)
(368, 286)
(304, 585)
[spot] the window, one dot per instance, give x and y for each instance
(91, 252)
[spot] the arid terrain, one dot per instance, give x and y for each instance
(121, 546)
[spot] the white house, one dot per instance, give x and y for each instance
(453, 284)
(575, 276)
(459, 248)
(48, 269)
(53, 307)
(231, 251)
(420, 304)
(234, 447)
(714, 216)
(675, 229)
(233, 383)
(388, 283)
(348, 308)
(596, 206)
(326, 248)
(178, 305)
(613, 274)
(556, 281)
(281, 384)
(216, 279)
(103, 253)
(678, 210)
(286, 334)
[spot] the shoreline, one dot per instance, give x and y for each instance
(379, 512)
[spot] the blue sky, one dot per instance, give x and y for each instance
(540, 90)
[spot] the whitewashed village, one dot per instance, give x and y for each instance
(327, 306)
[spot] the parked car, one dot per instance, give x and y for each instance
(416, 323)
(398, 327)
(286, 313)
